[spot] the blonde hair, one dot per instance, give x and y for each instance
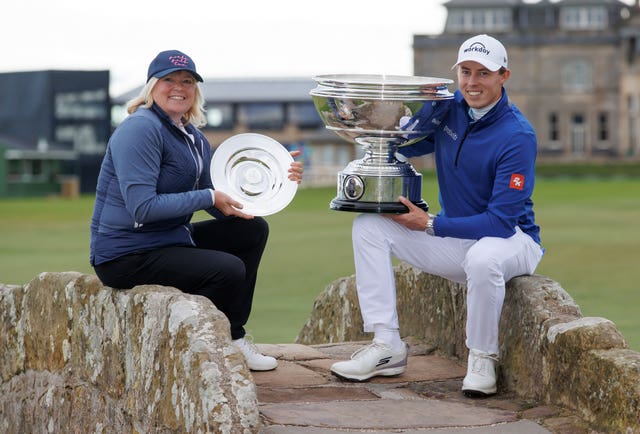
(195, 116)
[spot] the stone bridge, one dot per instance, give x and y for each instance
(79, 357)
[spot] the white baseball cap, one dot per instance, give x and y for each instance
(485, 50)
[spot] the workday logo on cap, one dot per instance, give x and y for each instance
(485, 50)
(477, 47)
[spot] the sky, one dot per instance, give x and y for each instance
(225, 38)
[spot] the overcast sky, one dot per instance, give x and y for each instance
(225, 38)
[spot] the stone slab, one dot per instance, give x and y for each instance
(314, 394)
(291, 352)
(384, 414)
(287, 374)
(392, 392)
(519, 427)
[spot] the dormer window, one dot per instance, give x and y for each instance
(583, 18)
(480, 20)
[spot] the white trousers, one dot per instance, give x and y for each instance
(484, 265)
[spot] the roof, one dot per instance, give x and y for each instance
(18, 148)
(506, 3)
(218, 90)
(481, 3)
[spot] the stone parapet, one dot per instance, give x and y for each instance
(76, 356)
(549, 352)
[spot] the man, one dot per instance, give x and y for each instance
(484, 235)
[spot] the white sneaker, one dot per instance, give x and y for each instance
(481, 375)
(255, 360)
(374, 359)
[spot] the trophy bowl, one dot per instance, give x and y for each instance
(381, 113)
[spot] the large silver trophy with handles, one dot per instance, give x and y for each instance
(380, 113)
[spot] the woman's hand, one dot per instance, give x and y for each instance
(296, 168)
(229, 206)
(416, 219)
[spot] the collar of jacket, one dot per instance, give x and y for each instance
(166, 119)
(491, 115)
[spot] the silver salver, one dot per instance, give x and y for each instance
(381, 113)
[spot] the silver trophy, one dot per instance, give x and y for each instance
(380, 113)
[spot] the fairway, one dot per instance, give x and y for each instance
(589, 228)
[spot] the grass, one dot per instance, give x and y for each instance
(589, 228)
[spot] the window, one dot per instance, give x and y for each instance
(81, 137)
(632, 50)
(583, 17)
(578, 134)
(85, 104)
(485, 20)
(554, 134)
(15, 170)
(603, 126)
(455, 20)
(633, 108)
(220, 116)
(268, 116)
(498, 19)
(477, 19)
(577, 76)
(31, 169)
(304, 115)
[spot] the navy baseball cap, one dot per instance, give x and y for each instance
(170, 61)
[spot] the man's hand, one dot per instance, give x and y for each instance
(229, 206)
(416, 219)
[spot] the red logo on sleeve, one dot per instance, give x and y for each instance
(517, 181)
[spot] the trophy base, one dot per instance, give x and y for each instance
(374, 207)
(362, 188)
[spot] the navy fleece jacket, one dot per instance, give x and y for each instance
(152, 179)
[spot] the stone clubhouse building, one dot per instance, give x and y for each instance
(575, 68)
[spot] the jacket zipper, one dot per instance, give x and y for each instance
(466, 133)
(195, 161)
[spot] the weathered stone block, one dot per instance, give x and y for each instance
(335, 316)
(532, 305)
(593, 372)
(81, 357)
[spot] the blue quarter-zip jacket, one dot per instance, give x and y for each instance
(485, 171)
(152, 179)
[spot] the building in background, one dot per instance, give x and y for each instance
(54, 127)
(575, 64)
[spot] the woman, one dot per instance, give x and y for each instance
(154, 176)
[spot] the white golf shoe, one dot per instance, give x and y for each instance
(255, 360)
(481, 375)
(370, 361)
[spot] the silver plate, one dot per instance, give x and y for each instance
(253, 169)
